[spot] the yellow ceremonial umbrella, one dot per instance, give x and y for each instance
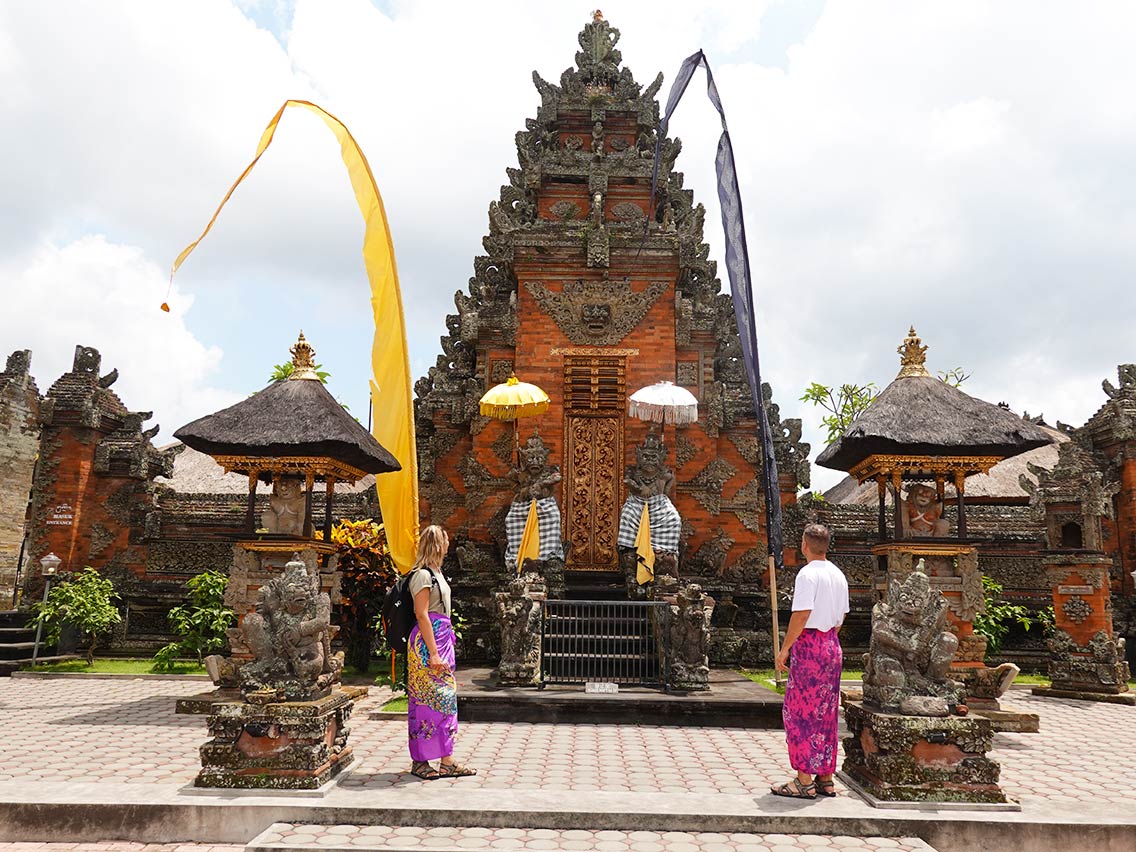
(512, 400)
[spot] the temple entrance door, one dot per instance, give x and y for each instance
(595, 463)
(595, 395)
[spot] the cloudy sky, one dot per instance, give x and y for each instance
(964, 167)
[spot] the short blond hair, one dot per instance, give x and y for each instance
(433, 542)
(818, 536)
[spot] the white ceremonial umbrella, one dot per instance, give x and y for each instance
(664, 402)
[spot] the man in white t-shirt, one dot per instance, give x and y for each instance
(811, 711)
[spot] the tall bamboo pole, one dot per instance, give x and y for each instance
(776, 618)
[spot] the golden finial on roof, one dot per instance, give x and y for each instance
(912, 356)
(303, 360)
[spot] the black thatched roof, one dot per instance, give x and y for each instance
(923, 415)
(295, 417)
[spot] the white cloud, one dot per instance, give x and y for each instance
(92, 292)
(962, 167)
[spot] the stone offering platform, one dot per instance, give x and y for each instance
(85, 759)
(733, 701)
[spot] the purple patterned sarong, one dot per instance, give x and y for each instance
(432, 708)
(812, 702)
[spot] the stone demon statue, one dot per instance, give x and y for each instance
(290, 635)
(911, 650)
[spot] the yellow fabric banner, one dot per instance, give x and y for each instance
(391, 390)
(644, 553)
(530, 538)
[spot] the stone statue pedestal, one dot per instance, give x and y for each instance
(895, 758)
(299, 745)
(1087, 662)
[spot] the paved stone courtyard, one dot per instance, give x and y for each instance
(67, 733)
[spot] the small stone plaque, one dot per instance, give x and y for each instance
(946, 584)
(1075, 590)
(595, 688)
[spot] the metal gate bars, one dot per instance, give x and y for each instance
(626, 642)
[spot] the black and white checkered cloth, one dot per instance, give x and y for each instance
(548, 522)
(666, 524)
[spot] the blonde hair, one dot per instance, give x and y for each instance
(433, 542)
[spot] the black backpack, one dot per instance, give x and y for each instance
(398, 611)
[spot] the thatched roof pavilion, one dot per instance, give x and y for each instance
(921, 415)
(292, 428)
(920, 428)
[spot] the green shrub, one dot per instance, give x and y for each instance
(201, 626)
(995, 624)
(85, 601)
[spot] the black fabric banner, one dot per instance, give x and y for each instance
(737, 269)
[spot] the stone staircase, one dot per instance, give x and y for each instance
(300, 837)
(17, 641)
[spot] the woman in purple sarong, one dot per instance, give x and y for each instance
(811, 711)
(432, 711)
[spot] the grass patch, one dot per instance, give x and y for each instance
(398, 704)
(1043, 680)
(112, 665)
(765, 677)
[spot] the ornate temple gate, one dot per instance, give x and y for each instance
(595, 391)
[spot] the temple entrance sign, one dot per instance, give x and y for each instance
(594, 390)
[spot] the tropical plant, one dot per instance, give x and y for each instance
(843, 405)
(85, 601)
(367, 572)
(1000, 615)
(201, 626)
(280, 372)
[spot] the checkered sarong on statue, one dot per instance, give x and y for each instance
(666, 524)
(548, 522)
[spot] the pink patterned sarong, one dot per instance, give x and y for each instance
(811, 711)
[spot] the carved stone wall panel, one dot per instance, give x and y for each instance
(688, 374)
(596, 312)
(706, 486)
(685, 450)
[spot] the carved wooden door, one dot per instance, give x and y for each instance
(595, 463)
(593, 453)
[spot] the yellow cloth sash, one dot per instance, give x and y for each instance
(644, 553)
(530, 538)
(391, 387)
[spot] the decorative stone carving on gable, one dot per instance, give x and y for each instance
(596, 313)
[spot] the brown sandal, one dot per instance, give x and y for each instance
(422, 769)
(454, 770)
(825, 788)
(795, 790)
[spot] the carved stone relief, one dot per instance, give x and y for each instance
(574, 308)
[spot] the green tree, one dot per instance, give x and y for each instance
(999, 616)
(843, 405)
(201, 626)
(85, 601)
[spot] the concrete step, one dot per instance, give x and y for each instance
(9, 666)
(302, 837)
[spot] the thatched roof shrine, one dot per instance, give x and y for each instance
(921, 415)
(289, 421)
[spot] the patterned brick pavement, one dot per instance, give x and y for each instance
(87, 730)
(284, 837)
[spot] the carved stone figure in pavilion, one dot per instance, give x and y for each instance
(286, 505)
(922, 513)
(911, 652)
